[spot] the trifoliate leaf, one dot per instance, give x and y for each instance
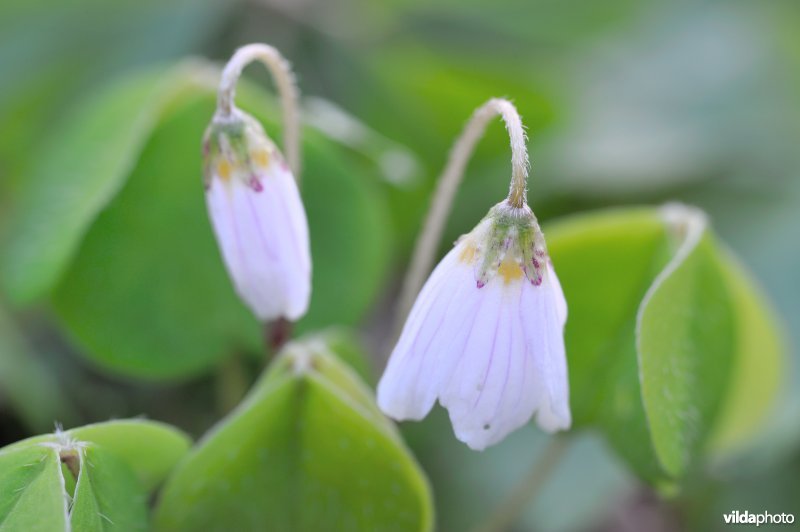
(306, 450)
(660, 331)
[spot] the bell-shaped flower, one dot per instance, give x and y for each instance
(258, 217)
(485, 336)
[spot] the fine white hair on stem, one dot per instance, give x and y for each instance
(450, 179)
(281, 71)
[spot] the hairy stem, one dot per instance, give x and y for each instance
(450, 179)
(282, 73)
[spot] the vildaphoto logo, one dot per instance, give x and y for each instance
(764, 518)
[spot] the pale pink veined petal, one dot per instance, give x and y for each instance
(410, 384)
(543, 329)
(492, 353)
(476, 384)
(258, 217)
(282, 222)
(264, 243)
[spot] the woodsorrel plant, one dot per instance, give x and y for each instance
(670, 351)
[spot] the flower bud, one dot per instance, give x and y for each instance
(257, 216)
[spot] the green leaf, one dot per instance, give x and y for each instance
(147, 294)
(606, 262)
(82, 165)
(661, 328)
(685, 339)
(350, 236)
(38, 479)
(149, 448)
(757, 375)
(31, 485)
(348, 349)
(107, 494)
(307, 450)
(121, 235)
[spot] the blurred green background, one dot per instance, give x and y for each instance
(625, 103)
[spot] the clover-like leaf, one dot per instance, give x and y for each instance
(92, 478)
(657, 329)
(685, 338)
(33, 490)
(149, 448)
(82, 166)
(107, 494)
(306, 450)
(757, 375)
(113, 226)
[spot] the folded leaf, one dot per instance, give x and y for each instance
(92, 478)
(685, 337)
(306, 450)
(662, 330)
(149, 448)
(33, 490)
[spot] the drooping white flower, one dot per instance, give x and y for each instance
(485, 336)
(257, 216)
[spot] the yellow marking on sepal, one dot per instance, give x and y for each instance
(224, 169)
(468, 253)
(261, 157)
(510, 270)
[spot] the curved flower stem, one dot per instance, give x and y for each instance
(448, 183)
(507, 514)
(282, 73)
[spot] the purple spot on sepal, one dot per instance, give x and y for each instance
(536, 264)
(480, 283)
(537, 281)
(255, 184)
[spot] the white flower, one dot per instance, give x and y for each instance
(485, 336)
(258, 217)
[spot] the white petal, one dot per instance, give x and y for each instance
(485, 391)
(236, 238)
(423, 354)
(283, 217)
(561, 302)
(544, 309)
(264, 243)
(494, 356)
(221, 215)
(260, 284)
